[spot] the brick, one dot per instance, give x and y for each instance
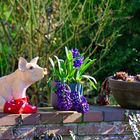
(63, 130)
(110, 113)
(31, 119)
(6, 133)
(88, 129)
(107, 128)
(24, 133)
(8, 119)
(94, 116)
(51, 117)
(59, 117)
(58, 129)
(104, 128)
(72, 118)
(113, 115)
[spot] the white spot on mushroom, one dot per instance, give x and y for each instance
(9, 108)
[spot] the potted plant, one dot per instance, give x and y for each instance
(67, 79)
(124, 88)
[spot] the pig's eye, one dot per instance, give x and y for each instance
(31, 67)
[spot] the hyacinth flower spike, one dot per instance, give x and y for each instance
(63, 92)
(79, 103)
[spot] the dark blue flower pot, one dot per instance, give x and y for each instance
(76, 87)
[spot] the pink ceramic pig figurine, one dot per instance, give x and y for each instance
(13, 87)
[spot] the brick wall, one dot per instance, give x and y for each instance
(101, 123)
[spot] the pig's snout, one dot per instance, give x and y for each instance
(45, 71)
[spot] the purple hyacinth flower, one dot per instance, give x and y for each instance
(83, 99)
(82, 107)
(80, 103)
(75, 53)
(64, 101)
(60, 86)
(78, 62)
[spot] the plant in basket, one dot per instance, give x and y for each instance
(67, 79)
(124, 87)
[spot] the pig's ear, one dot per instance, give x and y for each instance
(22, 64)
(34, 60)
